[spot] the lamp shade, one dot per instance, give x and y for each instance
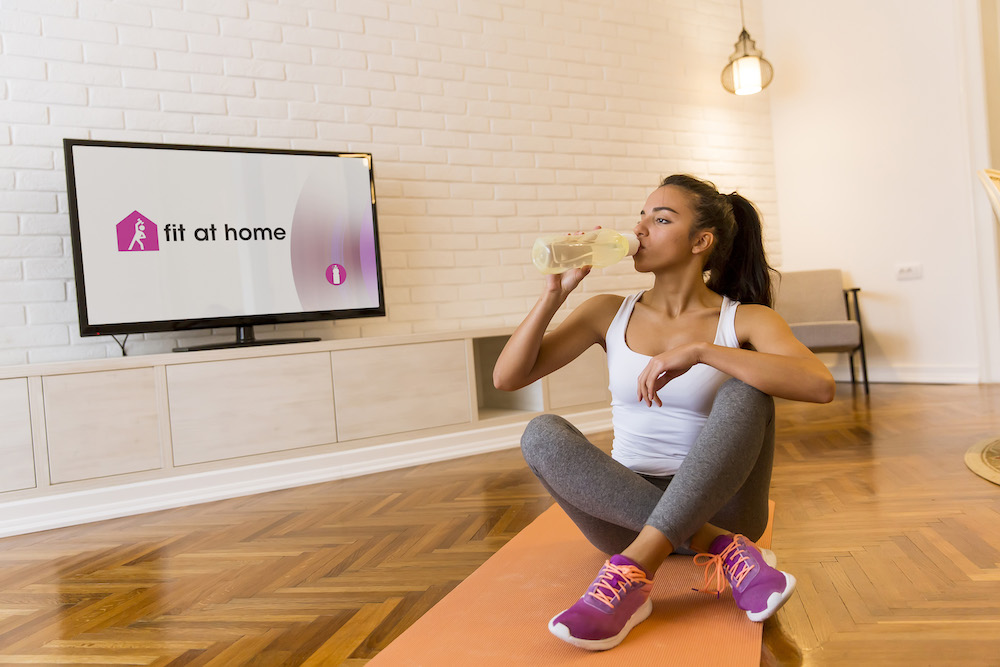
(747, 72)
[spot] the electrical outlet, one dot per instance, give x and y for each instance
(910, 271)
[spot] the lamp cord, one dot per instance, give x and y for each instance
(743, 21)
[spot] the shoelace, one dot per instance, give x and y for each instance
(605, 581)
(737, 570)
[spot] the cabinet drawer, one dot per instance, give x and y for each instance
(101, 424)
(18, 469)
(240, 407)
(584, 380)
(386, 390)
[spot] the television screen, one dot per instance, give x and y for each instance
(173, 237)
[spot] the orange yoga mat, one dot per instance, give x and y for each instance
(498, 616)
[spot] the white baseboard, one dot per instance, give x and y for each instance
(77, 507)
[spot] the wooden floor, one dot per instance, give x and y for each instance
(896, 546)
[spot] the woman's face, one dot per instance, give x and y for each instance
(664, 229)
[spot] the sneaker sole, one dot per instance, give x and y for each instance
(562, 632)
(774, 601)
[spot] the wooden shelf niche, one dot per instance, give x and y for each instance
(492, 402)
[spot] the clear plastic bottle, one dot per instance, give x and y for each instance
(556, 253)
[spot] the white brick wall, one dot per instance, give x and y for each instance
(489, 121)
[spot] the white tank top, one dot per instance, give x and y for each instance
(654, 440)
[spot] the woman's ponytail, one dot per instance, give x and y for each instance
(737, 266)
(744, 275)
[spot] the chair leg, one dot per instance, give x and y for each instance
(864, 365)
(861, 335)
(850, 362)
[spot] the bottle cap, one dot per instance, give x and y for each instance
(633, 242)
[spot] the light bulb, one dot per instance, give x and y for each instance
(746, 75)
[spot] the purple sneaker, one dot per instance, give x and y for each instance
(616, 602)
(758, 587)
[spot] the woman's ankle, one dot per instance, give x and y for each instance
(648, 566)
(702, 540)
(649, 550)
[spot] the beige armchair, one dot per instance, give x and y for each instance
(818, 308)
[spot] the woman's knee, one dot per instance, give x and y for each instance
(737, 393)
(542, 436)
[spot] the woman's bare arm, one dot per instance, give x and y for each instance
(778, 365)
(531, 353)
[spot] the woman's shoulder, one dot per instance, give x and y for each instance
(600, 310)
(756, 311)
(603, 304)
(756, 319)
(606, 301)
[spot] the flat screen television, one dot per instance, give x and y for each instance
(173, 237)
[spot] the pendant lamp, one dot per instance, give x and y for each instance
(747, 72)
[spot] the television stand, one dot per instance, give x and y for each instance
(244, 338)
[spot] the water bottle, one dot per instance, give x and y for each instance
(556, 253)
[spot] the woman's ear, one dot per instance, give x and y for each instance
(703, 242)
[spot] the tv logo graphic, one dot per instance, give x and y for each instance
(137, 233)
(336, 274)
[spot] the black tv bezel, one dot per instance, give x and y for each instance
(88, 329)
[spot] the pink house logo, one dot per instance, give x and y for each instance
(137, 233)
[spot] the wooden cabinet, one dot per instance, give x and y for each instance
(584, 380)
(240, 407)
(111, 437)
(383, 390)
(100, 424)
(18, 468)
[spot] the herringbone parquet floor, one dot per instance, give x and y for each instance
(895, 543)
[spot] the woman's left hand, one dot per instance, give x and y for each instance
(663, 368)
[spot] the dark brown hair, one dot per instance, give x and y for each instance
(737, 265)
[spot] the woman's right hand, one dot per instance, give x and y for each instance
(564, 283)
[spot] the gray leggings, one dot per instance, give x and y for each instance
(724, 479)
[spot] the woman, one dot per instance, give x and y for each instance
(693, 365)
